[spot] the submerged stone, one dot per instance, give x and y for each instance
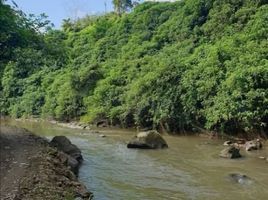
(240, 178)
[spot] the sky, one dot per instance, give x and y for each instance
(57, 10)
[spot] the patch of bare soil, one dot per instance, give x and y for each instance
(31, 170)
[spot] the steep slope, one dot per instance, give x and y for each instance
(174, 66)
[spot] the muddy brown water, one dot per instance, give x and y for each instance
(189, 169)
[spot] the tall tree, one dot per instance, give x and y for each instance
(122, 6)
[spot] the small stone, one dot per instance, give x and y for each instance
(262, 157)
(48, 159)
(227, 143)
(253, 145)
(103, 136)
(94, 132)
(23, 164)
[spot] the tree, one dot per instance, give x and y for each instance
(122, 6)
(182, 66)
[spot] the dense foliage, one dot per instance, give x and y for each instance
(188, 65)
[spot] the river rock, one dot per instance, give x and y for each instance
(230, 152)
(101, 135)
(102, 123)
(74, 164)
(227, 143)
(62, 143)
(69, 161)
(241, 178)
(148, 140)
(253, 145)
(73, 157)
(262, 157)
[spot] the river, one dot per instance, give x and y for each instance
(189, 169)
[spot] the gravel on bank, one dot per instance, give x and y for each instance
(31, 170)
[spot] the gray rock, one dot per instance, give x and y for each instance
(69, 161)
(62, 143)
(102, 123)
(71, 154)
(253, 145)
(74, 164)
(63, 158)
(227, 143)
(103, 136)
(262, 157)
(148, 140)
(240, 178)
(230, 152)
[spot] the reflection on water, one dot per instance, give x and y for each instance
(189, 169)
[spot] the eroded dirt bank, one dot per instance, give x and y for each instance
(30, 169)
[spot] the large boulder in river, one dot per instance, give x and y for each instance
(253, 145)
(230, 152)
(62, 143)
(73, 164)
(69, 161)
(148, 140)
(73, 153)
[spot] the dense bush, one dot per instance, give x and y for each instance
(172, 66)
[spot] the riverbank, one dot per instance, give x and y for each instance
(95, 128)
(30, 169)
(72, 124)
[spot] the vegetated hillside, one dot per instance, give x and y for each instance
(172, 66)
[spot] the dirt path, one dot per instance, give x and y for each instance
(30, 170)
(15, 151)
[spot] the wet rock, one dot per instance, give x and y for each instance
(69, 161)
(148, 140)
(95, 132)
(62, 143)
(102, 123)
(103, 136)
(73, 163)
(72, 155)
(63, 158)
(253, 145)
(227, 143)
(230, 152)
(82, 192)
(241, 178)
(262, 157)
